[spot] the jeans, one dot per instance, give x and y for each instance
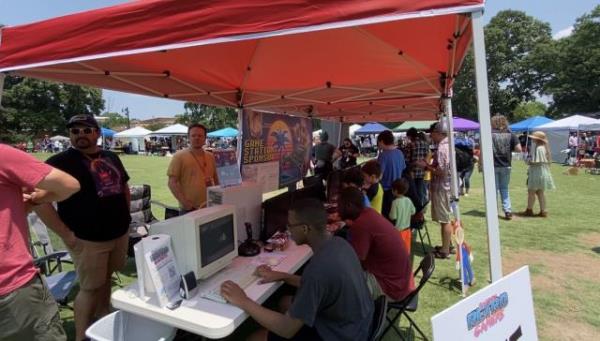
(465, 176)
(502, 181)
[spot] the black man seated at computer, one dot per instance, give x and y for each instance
(332, 301)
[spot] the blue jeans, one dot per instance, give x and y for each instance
(502, 181)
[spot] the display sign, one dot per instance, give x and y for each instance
(227, 167)
(501, 311)
(276, 138)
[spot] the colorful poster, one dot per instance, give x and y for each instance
(281, 138)
(227, 167)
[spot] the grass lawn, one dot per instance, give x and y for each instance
(562, 251)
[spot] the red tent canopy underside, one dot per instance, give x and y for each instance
(354, 61)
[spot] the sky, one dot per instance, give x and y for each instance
(560, 14)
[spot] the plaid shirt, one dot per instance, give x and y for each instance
(416, 150)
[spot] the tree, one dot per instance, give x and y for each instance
(575, 85)
(115, 120)
(211, 117)
(513, 74)
(33, 107)
(528, 109)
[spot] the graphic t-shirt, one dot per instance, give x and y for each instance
(503, 144)
(99, 211)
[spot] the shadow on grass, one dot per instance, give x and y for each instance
(475, 213)
(596, 249)
(452, 284)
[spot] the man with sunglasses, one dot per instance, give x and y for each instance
(332, 301)
(98, 215)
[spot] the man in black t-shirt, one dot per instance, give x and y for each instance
(347, 153)
(98, 215)
(332, 301)
(503, 143)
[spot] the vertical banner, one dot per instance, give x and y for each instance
(273, 143)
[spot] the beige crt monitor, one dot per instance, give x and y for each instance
(204, 241)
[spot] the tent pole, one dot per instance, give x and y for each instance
(2, 76)
(454, 199)
(454, 173)
(238, 145)
(489, 185)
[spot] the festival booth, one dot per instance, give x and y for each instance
(135, 136)
(464, 125)
(529, 124)
(419, 125)
(347, 61)
(557, 133)
(225, 132)
(169, 139)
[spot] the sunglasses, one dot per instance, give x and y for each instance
(76, 131)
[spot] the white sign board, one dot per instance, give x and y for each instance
(501, 311)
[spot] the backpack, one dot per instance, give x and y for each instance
(464, 158)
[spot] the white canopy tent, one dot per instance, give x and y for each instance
(135, 136)
(175, 129)
(558, 131)
(59, 138)
(354, 128)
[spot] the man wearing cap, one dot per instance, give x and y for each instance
(439, 188)
(98, 215)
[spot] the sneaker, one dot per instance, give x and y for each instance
(508, 215)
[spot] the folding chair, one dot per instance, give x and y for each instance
(379, 315)
(410, 302)
(419, 223)
(50, 262)
(141, 213)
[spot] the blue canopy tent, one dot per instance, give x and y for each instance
(530, 123)
(225, 132)
(105, 132)
(371, 128)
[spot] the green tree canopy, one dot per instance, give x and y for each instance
(513, 74)
(528, 109)
(32, 107)
(211, 117)
(574, 62)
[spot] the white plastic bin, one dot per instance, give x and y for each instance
(123, 326)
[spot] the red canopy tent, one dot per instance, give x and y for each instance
(344, 60)
(378, 60)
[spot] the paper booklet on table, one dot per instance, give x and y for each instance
(157, 271)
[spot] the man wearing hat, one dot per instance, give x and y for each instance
(98, 215)
(439, 190)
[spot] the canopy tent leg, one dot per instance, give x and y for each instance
(489, 185)
(2, 76)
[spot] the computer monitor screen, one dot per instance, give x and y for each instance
(204, 241)
(275, 215)
(216, 239)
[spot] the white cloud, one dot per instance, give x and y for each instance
(563, 33)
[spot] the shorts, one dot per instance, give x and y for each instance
(30, 313)
(95, 262)
(305, 333)
(440, 206)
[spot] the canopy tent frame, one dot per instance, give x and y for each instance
(384, 102)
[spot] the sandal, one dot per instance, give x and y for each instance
(441, 255)
(439, 248)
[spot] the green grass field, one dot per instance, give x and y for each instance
(562, 251)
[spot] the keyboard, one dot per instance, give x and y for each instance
(244, 277)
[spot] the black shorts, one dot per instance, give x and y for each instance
(305, 333)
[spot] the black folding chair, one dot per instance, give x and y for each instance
(410, 302)
(419, 223)
(379, 316)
